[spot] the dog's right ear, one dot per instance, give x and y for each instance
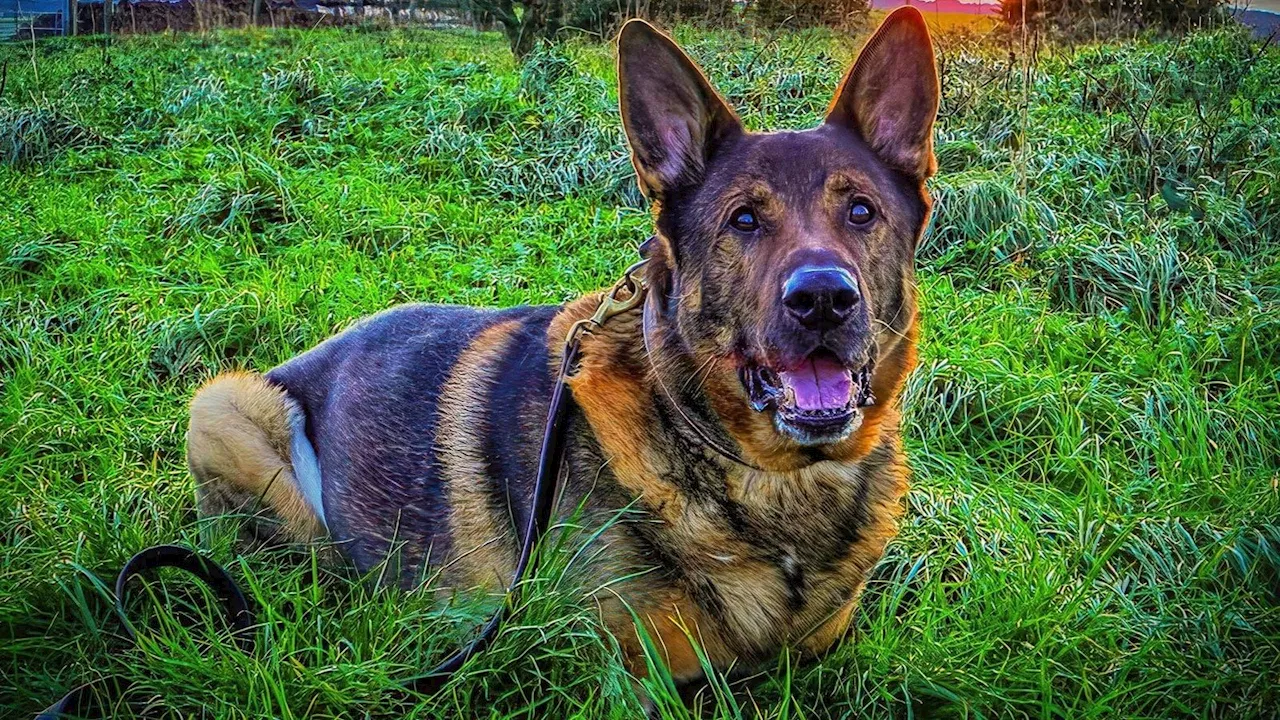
(673, 118)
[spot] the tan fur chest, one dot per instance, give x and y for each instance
(778, 561)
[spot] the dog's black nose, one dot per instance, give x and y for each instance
(821, 298)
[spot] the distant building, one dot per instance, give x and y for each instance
(19, 18)
(24, 18)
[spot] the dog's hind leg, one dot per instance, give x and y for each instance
(241, 445)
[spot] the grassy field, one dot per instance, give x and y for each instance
(1094, 524)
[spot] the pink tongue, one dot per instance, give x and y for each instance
(819, 384)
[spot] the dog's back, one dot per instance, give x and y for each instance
(425, 420)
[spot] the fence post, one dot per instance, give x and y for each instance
(107, 11)
(257, 11)
(72, 18)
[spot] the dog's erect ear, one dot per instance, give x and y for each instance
(674, 119)
(890, 96)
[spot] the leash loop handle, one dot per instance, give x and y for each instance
(235, 608)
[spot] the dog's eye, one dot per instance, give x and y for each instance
(860, 212)
(744, 219)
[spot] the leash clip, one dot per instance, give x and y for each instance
(611, 305)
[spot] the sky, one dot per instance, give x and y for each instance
(1267, 5)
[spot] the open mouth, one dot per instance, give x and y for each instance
(816, 401)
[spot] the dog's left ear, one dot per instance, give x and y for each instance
(890, 96)
(674, 119)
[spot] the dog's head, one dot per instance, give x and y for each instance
(783, 261)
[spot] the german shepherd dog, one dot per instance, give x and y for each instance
(745, 416)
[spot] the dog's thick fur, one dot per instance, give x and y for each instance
(414, 436)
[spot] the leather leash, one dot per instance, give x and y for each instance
(550, 461)
(626, 295)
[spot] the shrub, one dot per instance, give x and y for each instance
(35, 134)
(1143, 277)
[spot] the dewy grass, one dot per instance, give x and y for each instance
(1092, 529)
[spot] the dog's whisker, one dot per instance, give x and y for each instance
(888, 327)
(705, 366)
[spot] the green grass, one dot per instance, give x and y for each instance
(1095, 423)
